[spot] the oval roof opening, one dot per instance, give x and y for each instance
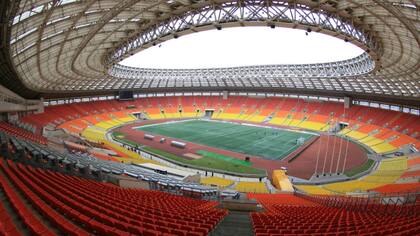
(244, 46)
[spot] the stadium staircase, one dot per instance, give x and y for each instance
(235, 223)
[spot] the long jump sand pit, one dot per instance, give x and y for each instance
(192, 156)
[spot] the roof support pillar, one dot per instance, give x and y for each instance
(225, 94)
(347, 102)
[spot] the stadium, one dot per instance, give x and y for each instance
(91, 146)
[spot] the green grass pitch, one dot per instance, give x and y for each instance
(266, 142)
(210, 161)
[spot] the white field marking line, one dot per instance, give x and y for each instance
(183, 129)
(282, 153)
(235, 124)
(174, 129)
(277, 150)
(200, 135)
(216, 133)
(237, 135)
(290, 140)
(269, 145)
(268, 127)
(269, 142)
(218, 136)
(267, 138)
(289, 149)
(238, 139)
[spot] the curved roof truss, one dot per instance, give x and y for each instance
(72, 47)
(249, 13)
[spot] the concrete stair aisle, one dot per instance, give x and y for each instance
(236, 223)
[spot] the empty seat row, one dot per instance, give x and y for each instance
(7, 226)
(70, 202)
(16, 131)
(82, 160)
(282, 218)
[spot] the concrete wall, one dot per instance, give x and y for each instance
(11, 102)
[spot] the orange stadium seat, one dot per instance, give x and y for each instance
(395, 188)
(413, 161)
(408, 174)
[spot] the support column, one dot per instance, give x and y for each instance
(347, 102)
(225, 95)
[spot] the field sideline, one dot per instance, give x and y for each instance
(266, 142)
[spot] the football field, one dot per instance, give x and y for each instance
(266, 142)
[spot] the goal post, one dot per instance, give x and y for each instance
(300, 140)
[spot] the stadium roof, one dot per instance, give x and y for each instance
(65, 48)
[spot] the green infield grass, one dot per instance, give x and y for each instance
(266, 142)
(209, 161)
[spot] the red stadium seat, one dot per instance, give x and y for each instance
(107, 209)
(16, 131)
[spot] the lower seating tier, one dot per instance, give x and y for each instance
(321, 220)
(292, 215)
(70, 202)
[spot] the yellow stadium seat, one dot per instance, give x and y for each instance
(374, 141)
(392, 164)
(228, 116)
(314, 189)
(127, 119)
(256, 118)
(286, 121)
(242, 116)
(94, 134)
(133, 155)
(251, 187)
(105, 125)
(188, 114)
(277, 120)
(383, 148)
(156, 116)
(356, 135)
(220, 182)
(382, 178)
(367, 139)
(294, 122)
(312, 125)
(326, 128)
(345, 131)
(388, 171)
(351, 186)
